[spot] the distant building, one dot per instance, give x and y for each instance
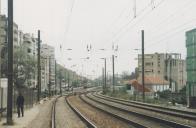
(3, 31)
(155, 84)
(168, 67)
(30, 44)
(47, 67)
(3, 40)
(152, 86)
(191, 67)
(134, 88)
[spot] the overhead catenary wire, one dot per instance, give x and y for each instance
(134, 18)
(68, 21)
(126, 26)
(171, 17)
(172, 30)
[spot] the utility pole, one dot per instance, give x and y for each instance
(60, 83)
(105, 75)
(68, 80)
(49, 86)
(10, 62)
(143, 82)
(55, 76)
(39, 68)
(103, 80)
(113, 80)
(135, 8)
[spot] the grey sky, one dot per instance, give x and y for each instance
(76, 23)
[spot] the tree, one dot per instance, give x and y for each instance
(24, 68)
(75, 83)
(127, 76)
(3, 62)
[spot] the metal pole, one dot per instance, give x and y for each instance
(55, 76)
(39, 69)
(105, 75)
(68, 80)
(60, 83)
(10, 63)
(134, 9)
(143, 82)
(113, 80)
(103, 80)
(49, 88)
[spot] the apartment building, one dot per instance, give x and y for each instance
(47, 67)
(3, 31)
(30, 44)
(167, 66)
(3, 40)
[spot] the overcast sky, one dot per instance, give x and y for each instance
(76, 23)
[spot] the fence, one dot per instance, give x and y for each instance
(29, 98)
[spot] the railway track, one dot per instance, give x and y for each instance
(152, 119)
(98, 117)
(165, 110)
(82, 117)
(53, 114)
(63, 115)
(113, 113)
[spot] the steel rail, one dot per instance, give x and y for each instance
(149, 108)
(156, 119)
(81, 116)
(53, 114)
(135, 124)
(193, 114)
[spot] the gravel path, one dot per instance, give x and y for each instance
(100, 119)
(43, 119)
(65, 117)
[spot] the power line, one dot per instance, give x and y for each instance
(131, 20)
(120, 32)
(182, 8)
(68, 21)
(173, 31)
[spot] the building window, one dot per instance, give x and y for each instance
(148, 64)
(29, 50)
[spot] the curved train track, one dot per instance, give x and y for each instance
(53, 114)
(82, 117)
(119, 109)
(168, 123)
(165, 110)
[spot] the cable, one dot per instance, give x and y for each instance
(130, 21)
(68, 21)
(173, 30)
(125, 28)
(169, 36)
(182, 8)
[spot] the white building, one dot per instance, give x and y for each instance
(3, 38)
(47, 67)
(30, 44)
(168, 67)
